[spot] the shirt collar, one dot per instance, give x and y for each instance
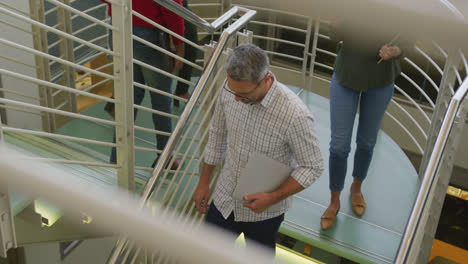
(270, 96)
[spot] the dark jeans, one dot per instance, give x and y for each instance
(263, 232)
(343, 106)
(190, 54)
(153, 79)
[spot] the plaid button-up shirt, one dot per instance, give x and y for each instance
(280, 127)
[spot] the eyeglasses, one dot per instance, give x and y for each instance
(248, 100)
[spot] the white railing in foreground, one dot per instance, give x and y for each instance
(117, 211)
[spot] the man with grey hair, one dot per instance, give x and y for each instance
(256, 114)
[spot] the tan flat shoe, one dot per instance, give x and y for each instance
(358, 204)
(328, 218)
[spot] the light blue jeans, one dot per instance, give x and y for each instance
(153, 79)
(343, 106)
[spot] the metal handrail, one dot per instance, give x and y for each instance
(247, 14)
(431, 171)
(188, 15)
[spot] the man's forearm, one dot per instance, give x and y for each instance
(259, 202)
(288, 188)
(207, 170)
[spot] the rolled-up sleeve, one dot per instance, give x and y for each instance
(216, 147)
(305, 145)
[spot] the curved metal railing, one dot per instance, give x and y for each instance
(193, 18)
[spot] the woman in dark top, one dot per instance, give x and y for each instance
(359, 80)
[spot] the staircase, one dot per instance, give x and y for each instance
(301, 57)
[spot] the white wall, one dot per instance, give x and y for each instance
(16, 118)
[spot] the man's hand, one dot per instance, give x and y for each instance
(387, 52)
(201, 195)
(259, 202)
